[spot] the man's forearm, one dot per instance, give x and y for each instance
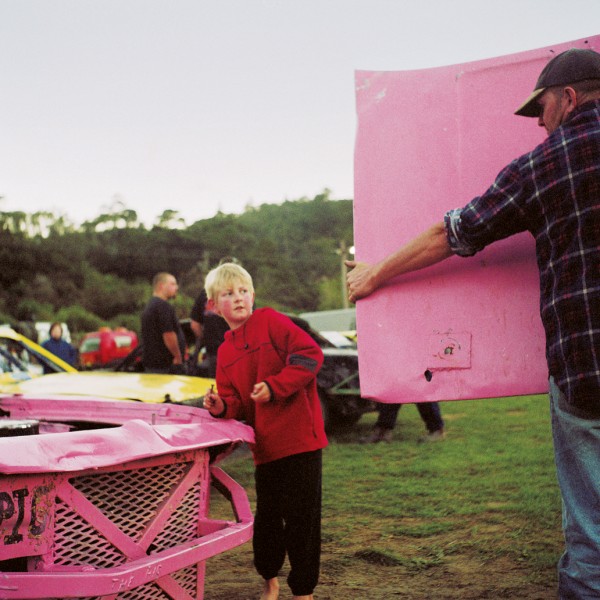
(172, 343)
(428, 248)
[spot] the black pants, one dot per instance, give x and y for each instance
(429, 411)
(288, 519)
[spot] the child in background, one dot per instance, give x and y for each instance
(266, 376)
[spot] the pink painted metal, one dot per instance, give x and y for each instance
(428, 141)
(120, 512)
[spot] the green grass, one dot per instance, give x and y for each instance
(479, 510)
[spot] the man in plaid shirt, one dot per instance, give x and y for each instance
(554, 193)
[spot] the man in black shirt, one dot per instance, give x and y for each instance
(162, 337)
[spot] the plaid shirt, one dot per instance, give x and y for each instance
(554, 193)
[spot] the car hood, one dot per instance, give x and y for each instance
(145, 387)
(340, 352)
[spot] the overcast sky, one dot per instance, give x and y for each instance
(206, 105)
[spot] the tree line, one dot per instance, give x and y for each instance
(99, 273)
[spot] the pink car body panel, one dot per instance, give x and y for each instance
(115, 512)
(428, 141)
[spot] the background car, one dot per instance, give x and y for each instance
(106, 346)
(123, 379)
(22, 359)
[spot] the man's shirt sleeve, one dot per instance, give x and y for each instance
(453, 232)
(497, 214)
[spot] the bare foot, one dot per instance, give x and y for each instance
(271, 589)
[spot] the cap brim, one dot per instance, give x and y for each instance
(530, 108)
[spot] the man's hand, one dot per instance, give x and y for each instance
(359, 280)
(261, 393)
(172, 343)
(177, 369)
(428, 248)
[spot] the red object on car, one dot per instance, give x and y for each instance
(103, 347)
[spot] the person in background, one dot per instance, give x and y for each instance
(59, 347)
(163, 341)
(266, 375)
(197, 315)
(554, 193)
(383, 430)
(211, 328)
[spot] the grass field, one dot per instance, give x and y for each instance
(475, 516)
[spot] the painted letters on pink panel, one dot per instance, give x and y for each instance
(428, 141)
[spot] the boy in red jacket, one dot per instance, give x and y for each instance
(266, 376)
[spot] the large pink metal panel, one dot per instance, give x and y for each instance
(428, 141)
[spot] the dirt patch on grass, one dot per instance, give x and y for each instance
(450, 569)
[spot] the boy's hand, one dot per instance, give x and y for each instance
(213, 402)
(261, 393)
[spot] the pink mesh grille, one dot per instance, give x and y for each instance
(78, 543)
(130, 498)
(183, 524)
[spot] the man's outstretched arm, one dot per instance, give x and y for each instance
(428, 248)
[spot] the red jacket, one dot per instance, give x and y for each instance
(270, 348)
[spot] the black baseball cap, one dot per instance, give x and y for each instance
(571, 66)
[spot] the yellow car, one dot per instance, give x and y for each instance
(144, 387)
(21, 359)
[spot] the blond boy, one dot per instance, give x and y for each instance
(266, 376)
